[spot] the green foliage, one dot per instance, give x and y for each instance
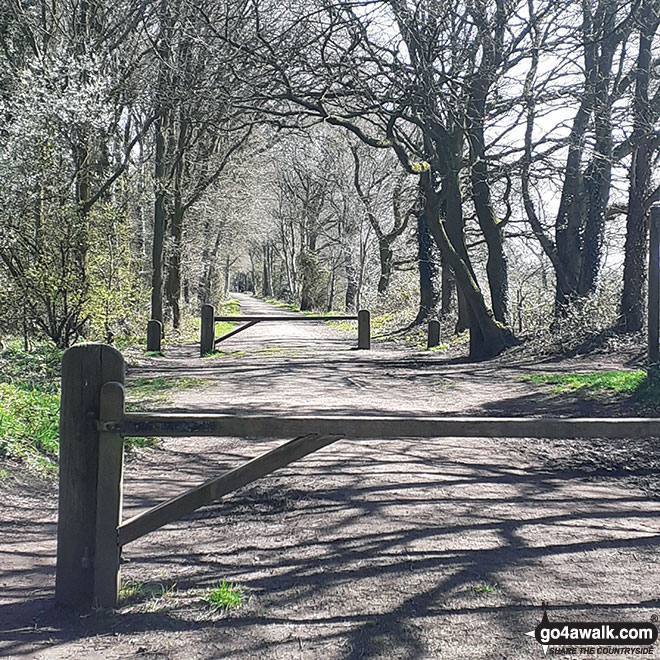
(124, 342)
(29, 405)
(53, 151)
(30, 400)
(117, 297)
(284, 305)
(225, 596)
(132, 590)
(229, 307)
(485, 589)
(29, 426)
(344, 326)
(39, 367)
(144, 393)
(618, 383)
(45, 267)
(585, 323)
(223, 327)
(622, 382)
(218, 353)
(440, 348)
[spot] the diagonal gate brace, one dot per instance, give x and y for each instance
(235, 332)
(226, 483)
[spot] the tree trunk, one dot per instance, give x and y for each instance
(173, 284)
(447, 290)
(428, 273)
(488, 337)
(453, 215)
(598, 176)
(496, 266)
(634, 265)
(351, 282)
(227, 270)
(386, 258)
(266, 285)
(331, 286)
(160, 220)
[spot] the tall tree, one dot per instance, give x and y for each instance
(645, 113)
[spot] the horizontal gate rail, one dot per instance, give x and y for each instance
(257, 319)
(274, 426)
(226, 483)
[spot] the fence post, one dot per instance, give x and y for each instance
(207, 330)
(154, 334)
(654, 294)
(109, 499)
(85, 369)
(364, 329)
(434, 334)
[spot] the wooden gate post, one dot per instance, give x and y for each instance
(85, 369)
(154, 335)
(207, 331)
(434, 334)
(364, 329)
(654, 294)
(109, 499)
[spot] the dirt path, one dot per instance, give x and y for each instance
(372, 549)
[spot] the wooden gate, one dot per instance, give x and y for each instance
(94, 423)
(208, 341)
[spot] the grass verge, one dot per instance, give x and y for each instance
(30, 402)
(29, 406)
(632, 384)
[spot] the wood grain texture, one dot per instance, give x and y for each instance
(383, 427)
(109, 501)
(85, 368)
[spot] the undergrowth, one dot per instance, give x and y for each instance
(30, 402)
(29, 405)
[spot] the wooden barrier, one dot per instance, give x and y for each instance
(434, 334)
(208, 340)
(154, 336)
(207, 330)
(364, 330)
(94, 423)
(85, 369)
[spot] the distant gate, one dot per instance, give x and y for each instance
(208, 340)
